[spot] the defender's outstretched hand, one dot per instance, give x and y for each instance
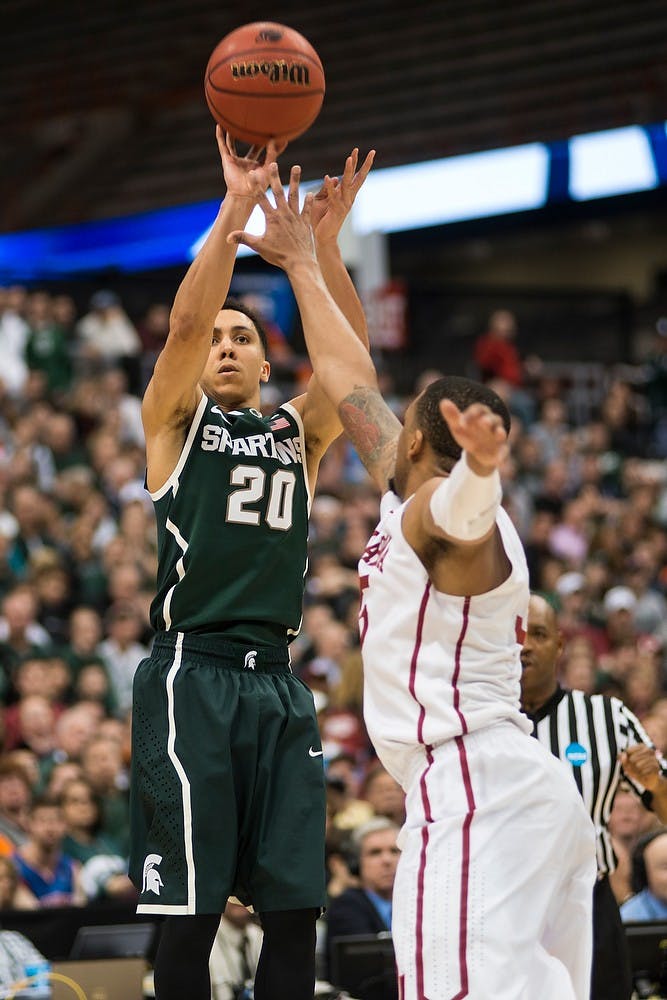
(246, 176)
(288, 239)
(335, 198)
(480, 432)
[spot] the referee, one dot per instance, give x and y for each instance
(602, 743)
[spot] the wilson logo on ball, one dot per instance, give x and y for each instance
(269, 36)
(278, 71)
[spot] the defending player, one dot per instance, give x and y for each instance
(493, 890)
(227, 778)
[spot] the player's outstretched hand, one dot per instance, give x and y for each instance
(335, 198)
(480, 432)
(247, 176)
(288, 238)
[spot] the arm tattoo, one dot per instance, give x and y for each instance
(373, 430)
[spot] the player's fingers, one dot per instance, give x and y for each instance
(476, 411)
(332, 184)
(276, 184)
(350, 166)
(239, 236)
(449, 410)
(255, 153)
(307, 209)
(321, 193)
(293, 191)
(264, 203)
(364, 170)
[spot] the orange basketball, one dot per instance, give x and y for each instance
(264, 81)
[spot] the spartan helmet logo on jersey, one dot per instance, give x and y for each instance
(152, 881)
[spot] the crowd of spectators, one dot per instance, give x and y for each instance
(78, 563)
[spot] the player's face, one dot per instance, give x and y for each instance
(541, 647)
(236, 364)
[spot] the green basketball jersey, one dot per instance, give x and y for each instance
(232, 527)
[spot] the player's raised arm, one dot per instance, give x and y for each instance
(330, 207)
(341, 362)
(172, 395)
(451, 520)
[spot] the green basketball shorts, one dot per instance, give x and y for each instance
(227, 790)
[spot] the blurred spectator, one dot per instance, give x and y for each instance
(49, 874)
(342, 863)
(104, 871)
(495, 353)
(31, 679)
(122, 651)
(108, 336)
(655, 386)
(30, 510)
(649, 879)
(62, 772)
(21, 634)
(235, 952)
(345, 766)
(74, 730)
(52, 586)
(113, 386)
(85, 635)
(13, 894)
(36, 731)
(93, 687)
(82, 812)
(102, 761)
(28, 761)
(62, 439)
(366, 909)
(618, 605)
(14, 332)
(384, 794)
(550, 430)
(345, 810)
(153, 330)
(628, 821)
(48, 348)
(15, 801)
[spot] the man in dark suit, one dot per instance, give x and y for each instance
(367, 909)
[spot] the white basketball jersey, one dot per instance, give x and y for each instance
(435, 666)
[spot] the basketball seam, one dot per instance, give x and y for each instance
(263, 96)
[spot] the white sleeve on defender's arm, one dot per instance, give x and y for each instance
(465, 505)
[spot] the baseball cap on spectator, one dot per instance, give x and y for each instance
(569, 583)
(619, 599)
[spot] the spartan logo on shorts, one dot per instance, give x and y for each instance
(152, 881)
(250, 661)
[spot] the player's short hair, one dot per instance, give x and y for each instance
(253, 316)
(464, 392)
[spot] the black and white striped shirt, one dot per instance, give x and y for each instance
(587, 732)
